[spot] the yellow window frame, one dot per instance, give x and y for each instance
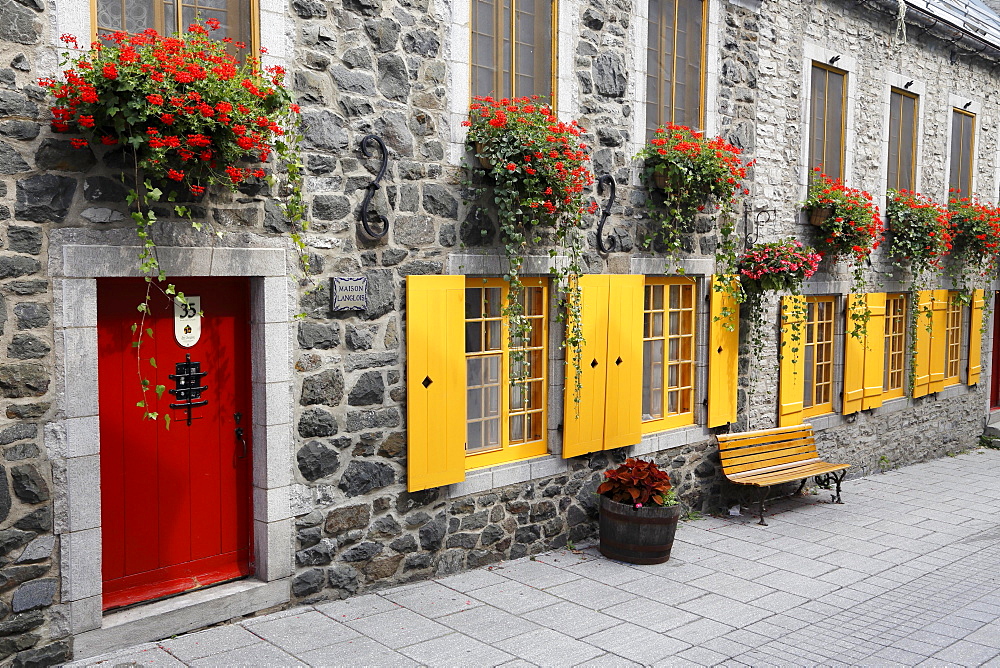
(825, 130)
(910, 143)
(894, 383)
(509, 452)
(253, 6)
(818, 363)
(679, 418)
(953, 340)
(502, 75)
(966, 155)
(665, 84)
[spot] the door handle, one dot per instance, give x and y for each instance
(239, 434)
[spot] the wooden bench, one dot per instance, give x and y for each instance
(774, 456)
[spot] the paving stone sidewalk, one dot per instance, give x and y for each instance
(904, 573)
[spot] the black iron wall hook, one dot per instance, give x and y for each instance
(366, 146)
(609, 181)
(752, 222)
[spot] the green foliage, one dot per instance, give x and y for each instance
(535, 168)
(684, 170)
(638, 482)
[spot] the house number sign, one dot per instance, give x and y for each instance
(187, 321)
(350, 293)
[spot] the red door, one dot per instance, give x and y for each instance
(176, 503)
(995, 367)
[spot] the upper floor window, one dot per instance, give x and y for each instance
(668, 353)
(902, 140)
(169, 16)
(675, 56)
(513, 48)
(963, 126)
(505, 420)
(894, 381)
(817, 355)
(827, 120)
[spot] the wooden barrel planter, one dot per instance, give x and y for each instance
(637, 535)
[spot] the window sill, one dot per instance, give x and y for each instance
(672, 438)
(827, 421)
(511, 473)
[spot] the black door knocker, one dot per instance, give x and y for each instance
(188, 378)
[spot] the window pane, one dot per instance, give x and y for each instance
(960, 178)
(895, 130)
(835, 124)
(908, 144)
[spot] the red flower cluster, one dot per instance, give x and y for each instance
(976, 230)
(189, 109)
(532, 152)
(781, 265)
(854, 227)
(689, 167)
(922, 231)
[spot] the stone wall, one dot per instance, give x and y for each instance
(382, 66)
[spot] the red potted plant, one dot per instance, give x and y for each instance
(639, 513)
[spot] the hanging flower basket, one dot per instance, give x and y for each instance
(818, 216)
(689, 170)
(484, 161)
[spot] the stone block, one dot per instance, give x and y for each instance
(79, 352)
(33, 595)
(272, 455)
(37, 550)
(271, 505)
(83, 436)
(274, 545)
(270, 350)
(272, 403)
(270, 299)
(80, 564)
(82, 493)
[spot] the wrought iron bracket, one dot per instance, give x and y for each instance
(753, 220)
(606, 181)
(367, 145)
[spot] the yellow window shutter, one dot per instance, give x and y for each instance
(623, 403)
(791, 382)
(435, 381)
(723, 352)
(583, 423)
(922, 358)
(854, 359)
(874, 379)
(939, 335)
(976, 337)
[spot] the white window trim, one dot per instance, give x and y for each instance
(638, 41)
(457, 51)
(816, 53)
(918, 88)
(974, 107)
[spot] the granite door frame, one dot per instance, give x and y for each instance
(77, 258)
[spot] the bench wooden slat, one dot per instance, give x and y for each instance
(765, 460)
(731, 441)
(788, 475)
(735, 456)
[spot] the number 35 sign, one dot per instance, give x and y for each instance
(187, 321)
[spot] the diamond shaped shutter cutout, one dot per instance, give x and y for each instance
(426, 382)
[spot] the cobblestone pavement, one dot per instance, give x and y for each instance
(905, 573)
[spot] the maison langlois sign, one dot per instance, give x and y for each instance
(350, 293)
